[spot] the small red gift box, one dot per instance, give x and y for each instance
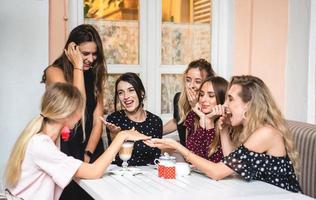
(167, 172)
(161, 171)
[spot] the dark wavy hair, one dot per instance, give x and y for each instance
(80, 34)
(137, 84)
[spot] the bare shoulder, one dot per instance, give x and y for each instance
(54, 74)
(264, 139)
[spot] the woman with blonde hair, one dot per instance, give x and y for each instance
(184, 101)
(82, 63)
(37, 169)
(255, 139)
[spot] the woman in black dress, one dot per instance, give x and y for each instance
(255, 139)
(82, 63)
(196, 72)
(130, 94)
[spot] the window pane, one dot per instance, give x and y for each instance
(117, 24)
(186, 32)
(109, 91)
(170, 85)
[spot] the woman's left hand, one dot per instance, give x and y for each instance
(217, 111)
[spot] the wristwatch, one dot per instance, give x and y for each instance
(88, 153)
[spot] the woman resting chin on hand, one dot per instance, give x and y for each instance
(255, 139)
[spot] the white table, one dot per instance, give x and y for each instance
(195, 186)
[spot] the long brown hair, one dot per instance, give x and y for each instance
(262, 111)
(220, 86)
(184, 106)
(80, 34)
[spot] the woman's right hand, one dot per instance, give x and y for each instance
(133, 135)
(164, 143)
(224, 120)
(112, 127)
(74, 55)
(197, 110)
(192, 96)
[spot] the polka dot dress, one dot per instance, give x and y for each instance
(152, 126)
(199, 140)
(251, 165)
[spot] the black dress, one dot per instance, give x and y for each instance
(176, 116)
(152, 126)
(251, 165)
(75, 146)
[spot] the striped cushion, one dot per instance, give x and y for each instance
(304, 136)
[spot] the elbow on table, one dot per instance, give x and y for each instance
(215, 176)
(88, 171)
(218, 172)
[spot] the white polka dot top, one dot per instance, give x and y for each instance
(152, 126)
(251, 165)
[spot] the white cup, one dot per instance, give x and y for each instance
(182, 169)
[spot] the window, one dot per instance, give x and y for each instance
(156, 39)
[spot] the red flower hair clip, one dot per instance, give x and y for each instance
(65, 133)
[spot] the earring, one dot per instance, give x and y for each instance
(244, 114)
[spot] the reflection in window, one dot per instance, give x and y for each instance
(186, 31)
(171, 84)
(117, 23)
(182, 43)
(111, 9)
(108, 96)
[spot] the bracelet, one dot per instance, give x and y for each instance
(78, 68)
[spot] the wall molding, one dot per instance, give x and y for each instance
(311, 100)
(222, 37)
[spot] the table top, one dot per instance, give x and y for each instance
(147, 185)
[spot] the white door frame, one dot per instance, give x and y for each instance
(149, 66)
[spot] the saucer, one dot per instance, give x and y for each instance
(196, 170)
(122, 172)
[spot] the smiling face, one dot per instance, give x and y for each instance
(235, 105)
(89, 54)
(127, 96)
(207, 98)
(194, 78)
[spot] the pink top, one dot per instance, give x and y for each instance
(46, 171)
(199, 140)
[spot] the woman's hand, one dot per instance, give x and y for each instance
(133, 135)
(197, 110)
(165, 143)
(217, 111)
(74, 55)
(224, 120)
(192, 96)
(112, 127)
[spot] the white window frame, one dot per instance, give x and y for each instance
(149, 67)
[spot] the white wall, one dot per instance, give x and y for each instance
(23, 56)
(297, 61)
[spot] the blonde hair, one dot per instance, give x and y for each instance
(262, 110)
(183, 104)
(60, 101)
